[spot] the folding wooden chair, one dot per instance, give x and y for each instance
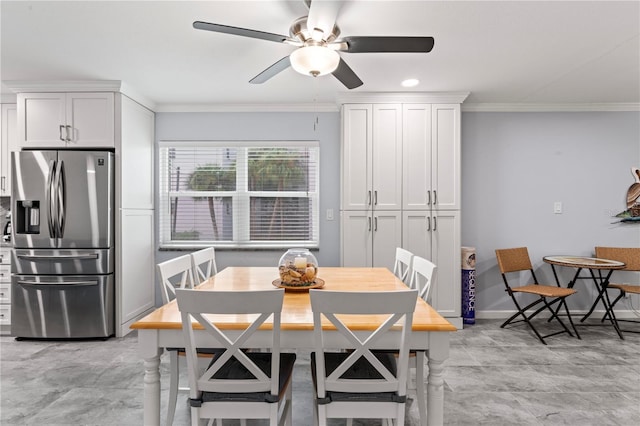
(360, 382)
(516, 260)
(630, 256)
(237, 384)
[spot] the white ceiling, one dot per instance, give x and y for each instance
(502, 52)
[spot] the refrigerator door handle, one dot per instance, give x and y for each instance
(57, 257)
(61, 195)
(63, 284)
(50, 200)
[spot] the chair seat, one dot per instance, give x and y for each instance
(361, 369)
(544, 290)
(234, 370)
(627, 288)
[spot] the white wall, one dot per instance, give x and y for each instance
(516, 165)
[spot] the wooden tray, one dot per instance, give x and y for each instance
(317, 283)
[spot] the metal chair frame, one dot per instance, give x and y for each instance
(516, 260)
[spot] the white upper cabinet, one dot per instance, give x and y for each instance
(67, 120)
(356, 157)
(372, 157)
(431, 156)
(387, 157)
(446, 173)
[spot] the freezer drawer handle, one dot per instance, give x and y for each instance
(66, 283)
(71, 257)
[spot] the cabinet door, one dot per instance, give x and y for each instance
(357, 238)
(416, 232)
(446, 296)
(387, 157)
(41, 120)
(91, 117)
(135, 267)
(416, 157)
(356, 157)
(387, 235)
(9, 144)
(136, 155)
(446, 171)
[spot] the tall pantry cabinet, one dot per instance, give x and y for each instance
(401, 187)
(99, 115)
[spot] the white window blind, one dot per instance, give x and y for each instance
(239, 194)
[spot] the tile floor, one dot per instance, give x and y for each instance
(493, 377)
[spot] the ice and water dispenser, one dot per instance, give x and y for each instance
(26, 218)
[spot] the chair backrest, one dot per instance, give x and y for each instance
(204, 264)
(629, 255)
(175, 273)
(196, 304)
(395, 309)
(422, 277)
(514, 260)
(403, 264)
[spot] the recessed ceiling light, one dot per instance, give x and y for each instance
(410, 82)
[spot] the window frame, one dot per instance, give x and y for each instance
(240, 197)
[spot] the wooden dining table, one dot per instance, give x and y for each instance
(162, 328)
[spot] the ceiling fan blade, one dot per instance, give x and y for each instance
(274, 69)
(323, 15)
(241, 32)
(388, 44)
(346, 75)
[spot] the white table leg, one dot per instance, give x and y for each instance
(148, 346)
(438, 353)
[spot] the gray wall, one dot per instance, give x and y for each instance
(514, 167)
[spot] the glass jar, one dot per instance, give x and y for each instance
(298, 267)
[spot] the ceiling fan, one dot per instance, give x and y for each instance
(316, 37)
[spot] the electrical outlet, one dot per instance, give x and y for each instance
(557, 207)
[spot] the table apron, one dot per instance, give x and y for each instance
(152, 339)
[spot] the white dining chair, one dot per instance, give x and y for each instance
(421, 279)
(402, 264)
(360, 382)
(174, 274)
(237, 384)
(204, 264)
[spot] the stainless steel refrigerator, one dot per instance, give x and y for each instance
(63, 238)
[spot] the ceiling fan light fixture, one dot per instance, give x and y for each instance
(314, 60)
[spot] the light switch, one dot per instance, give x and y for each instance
(557, 207)
(329, 214)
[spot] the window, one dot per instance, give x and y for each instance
(239, 194)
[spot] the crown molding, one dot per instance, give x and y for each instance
(19, 86)
(560, 107)
(305, 107)
(404, 97)
(8, 98)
